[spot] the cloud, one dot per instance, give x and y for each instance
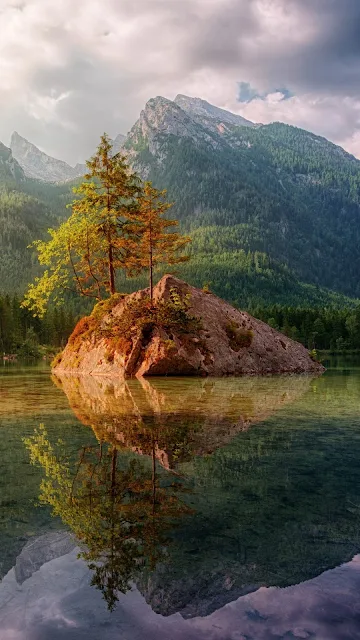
(70, 70)
(247, 93)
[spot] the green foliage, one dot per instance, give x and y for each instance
(273, 217)
(140, 316)
(317, 328)
(21, 333)
(278, 192)
(120, 513)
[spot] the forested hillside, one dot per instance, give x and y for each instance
(27, 209)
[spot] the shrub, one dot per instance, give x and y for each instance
(84, 326)
(139, 316)
(106, 306)
(238, 338)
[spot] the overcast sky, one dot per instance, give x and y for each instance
(71, 69)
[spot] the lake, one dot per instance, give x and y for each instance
(180, 508)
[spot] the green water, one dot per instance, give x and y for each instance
(267, 468)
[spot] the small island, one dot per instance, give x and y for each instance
(119, 228)
(182, 331)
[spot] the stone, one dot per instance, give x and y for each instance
(231, 342)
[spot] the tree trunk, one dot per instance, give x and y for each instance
(110, 253)
(151, 262)
(111, 271)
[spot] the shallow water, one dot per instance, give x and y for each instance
(229, 506)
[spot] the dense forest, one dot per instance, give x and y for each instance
(27, 209)
(21, 333)
(323, 329)
(273, 211)
(273, 189)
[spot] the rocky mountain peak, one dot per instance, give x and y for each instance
(118, 143)
(165, 116)
(161, 118)
(38, 165)
(9, 167)
(201, 109)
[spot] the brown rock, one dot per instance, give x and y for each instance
(229, 342)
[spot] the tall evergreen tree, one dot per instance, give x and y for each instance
(155, 245)
(85, 252)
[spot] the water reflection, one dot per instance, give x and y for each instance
(184, 417)
(124, 508)
(211, 509)
(119, 509)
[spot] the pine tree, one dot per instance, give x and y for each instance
(85, 252)
(155, 245)
(112, 195)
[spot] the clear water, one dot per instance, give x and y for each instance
(229, 507)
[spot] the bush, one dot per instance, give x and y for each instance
(139, 316)
(84, 327)
(238, 338)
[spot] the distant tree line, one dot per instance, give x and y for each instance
(327, 329)
(322, 329)
(21, 333)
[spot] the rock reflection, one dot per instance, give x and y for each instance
(178, 418)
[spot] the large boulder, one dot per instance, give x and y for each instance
(187, 332)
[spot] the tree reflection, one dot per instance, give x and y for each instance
(120, 508)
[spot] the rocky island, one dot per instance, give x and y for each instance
(184, 331)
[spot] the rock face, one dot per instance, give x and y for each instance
(205, 113)
(118, 143)
(9, 167)
(226, 341)
(39, 165)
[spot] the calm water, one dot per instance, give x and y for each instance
(180, 508)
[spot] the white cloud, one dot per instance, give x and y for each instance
(70, 70)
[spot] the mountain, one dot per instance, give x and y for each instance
(27, 209)
(263, 203)
(118, 143)
(273, 210)
(9, 167)
(206, 113)
(38, 165)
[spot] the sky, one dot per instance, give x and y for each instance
(72, 69)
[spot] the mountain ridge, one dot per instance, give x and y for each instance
(39, 165)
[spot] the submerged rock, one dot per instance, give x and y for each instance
(187, 332)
